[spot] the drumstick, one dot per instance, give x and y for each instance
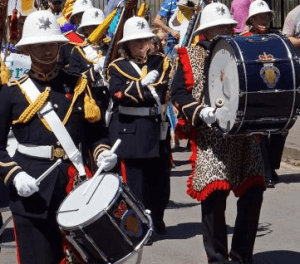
(113, 149)
(47, 172)
(219, 103)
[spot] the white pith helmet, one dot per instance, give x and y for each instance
(215, 14)
(136, 28)
(258, 7)
(91, 17)
(80, 6)
(41, 27)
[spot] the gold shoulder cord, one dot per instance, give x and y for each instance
(85, 57)
(35, 106)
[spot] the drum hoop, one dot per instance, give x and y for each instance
(233, 43)
(145, 239)
(95, 217)
(283, 40)
(245, 81)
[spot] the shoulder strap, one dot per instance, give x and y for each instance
(151, 88)
(59, 130)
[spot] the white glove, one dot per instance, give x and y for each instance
(25, 184)
(108, 159)
(100, 64)
(151, 77)
(208, 116)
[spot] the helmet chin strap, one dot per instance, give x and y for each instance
(261, 29)
(47, 62)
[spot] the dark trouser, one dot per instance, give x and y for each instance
(215, 230)
(1, 224)
(38, 240)
(272, 148)
(149, 181)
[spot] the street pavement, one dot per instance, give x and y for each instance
(291, 152)
(278, 237)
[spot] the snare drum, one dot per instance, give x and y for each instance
(107, 224)
(257, 78)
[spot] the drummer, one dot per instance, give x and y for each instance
(222, 164)
(259, 18)
(53, 117)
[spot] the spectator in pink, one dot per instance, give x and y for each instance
(239, 11)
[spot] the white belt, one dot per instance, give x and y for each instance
(46, 152)
(140, 111)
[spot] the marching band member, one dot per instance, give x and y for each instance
(222, 164)
(70, 31)
(259, 18)
(53, 116)
(138, 85)
(89, 57)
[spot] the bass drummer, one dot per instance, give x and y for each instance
(258, 20)
(222, 163)
(53, 117)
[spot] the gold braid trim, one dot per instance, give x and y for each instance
(8, 164)
(91, 110)
(86, 58)
(10, 173)
(79, 89)
(33, 107)
(99, 149)
(166, 64)
(124, 73)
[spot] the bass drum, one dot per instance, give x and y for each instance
(104, 223)
(257, 79)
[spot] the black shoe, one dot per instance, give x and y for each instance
(270, 184)
(159, 227)
(235, 257)
(149, 242)
(275, 177)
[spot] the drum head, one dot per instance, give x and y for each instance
(223, 83)
(78, 209)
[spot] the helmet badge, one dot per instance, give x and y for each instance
(220, 10)
(44, 23)
(140, 24)
(96, 14)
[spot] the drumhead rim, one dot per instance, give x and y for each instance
(95, 217)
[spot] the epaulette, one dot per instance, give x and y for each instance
(21, 80)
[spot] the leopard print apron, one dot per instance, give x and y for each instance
(221, 163)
